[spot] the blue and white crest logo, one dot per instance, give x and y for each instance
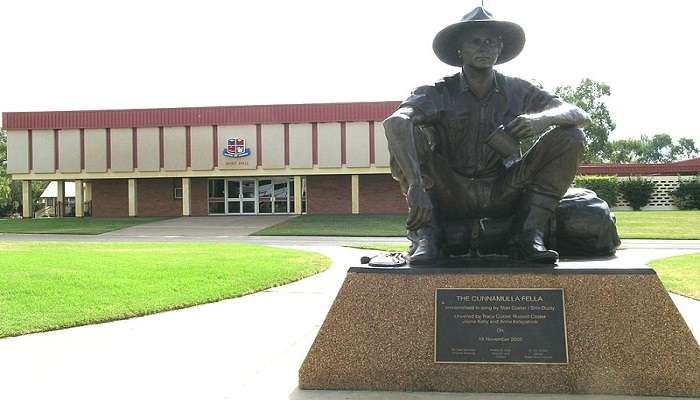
(236, 148)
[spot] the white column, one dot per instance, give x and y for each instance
(186, 197)
(297, 195)
(355, 185)
(27, 208)
(60, 198)
(79, 198)
(88, 192)
(132, 198)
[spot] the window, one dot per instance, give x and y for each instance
(177, 188)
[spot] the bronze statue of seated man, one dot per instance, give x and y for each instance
(443, 152)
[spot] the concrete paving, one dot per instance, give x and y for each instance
(245, 348)
(195, 227)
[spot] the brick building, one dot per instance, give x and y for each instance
(247, 160)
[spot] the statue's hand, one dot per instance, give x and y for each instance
(419, 207)
(527, 125)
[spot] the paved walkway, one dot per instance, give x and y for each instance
(196, 227)
(245, 348)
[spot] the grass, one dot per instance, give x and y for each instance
(339, 225)
(630, 225)
(74, 226)
(680, 274)
(52, 285)
(679, 224)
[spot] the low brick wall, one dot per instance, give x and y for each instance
(381, 194)
(328, 194)
(110, 198)
(156, 198)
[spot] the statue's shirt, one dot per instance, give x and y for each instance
(463, 121)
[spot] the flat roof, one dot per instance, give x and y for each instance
(195, 116)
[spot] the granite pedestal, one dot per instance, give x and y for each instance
(623, 335)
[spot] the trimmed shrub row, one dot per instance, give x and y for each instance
(606, 187)
(687, 196)
(636, 191)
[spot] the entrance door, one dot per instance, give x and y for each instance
(281, 199)
(266, 193)
(273, 196)
(247, 196)
(240, 196)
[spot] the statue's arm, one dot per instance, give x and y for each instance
(399, 133)
(398, 128)
(561, 113)
(556, 113)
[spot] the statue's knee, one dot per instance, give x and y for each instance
(573, 135)
(394, 124)
(570, 137)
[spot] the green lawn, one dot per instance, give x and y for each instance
(680, 274)
(339, 225)
(75, 226)
(630, 225)
(658, 224)
(51, 285)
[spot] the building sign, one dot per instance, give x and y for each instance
(236, 148)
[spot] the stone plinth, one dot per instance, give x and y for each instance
(625, 336)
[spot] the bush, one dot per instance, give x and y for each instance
(687, 196)
(637, 192)
(606, 187)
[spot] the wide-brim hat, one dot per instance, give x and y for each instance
(449, 40)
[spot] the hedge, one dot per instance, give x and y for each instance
(687, 196)
(606, 187)
(637, 192)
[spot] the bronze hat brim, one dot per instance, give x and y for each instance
(447, 41)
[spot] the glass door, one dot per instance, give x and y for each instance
(265, 195)
(281, 199)
(240, 196)
(248, 196)
(233, 196)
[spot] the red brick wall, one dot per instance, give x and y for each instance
(199, 195)
(328, 194)
(110, 198)
(156, 198)
(381, 194)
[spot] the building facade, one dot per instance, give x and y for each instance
(246, 160)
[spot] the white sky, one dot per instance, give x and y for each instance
(68, 55)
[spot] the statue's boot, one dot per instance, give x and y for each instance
(413, 237)
(424, 246)
(529, 243)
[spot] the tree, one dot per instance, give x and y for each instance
(686, 148)
(625, 151)
(587, 95)
(5, 184)
(659, 148)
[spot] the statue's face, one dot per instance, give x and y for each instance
(481, 48)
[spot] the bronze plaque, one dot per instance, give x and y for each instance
(523, 326)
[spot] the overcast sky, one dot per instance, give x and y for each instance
(68, 55)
